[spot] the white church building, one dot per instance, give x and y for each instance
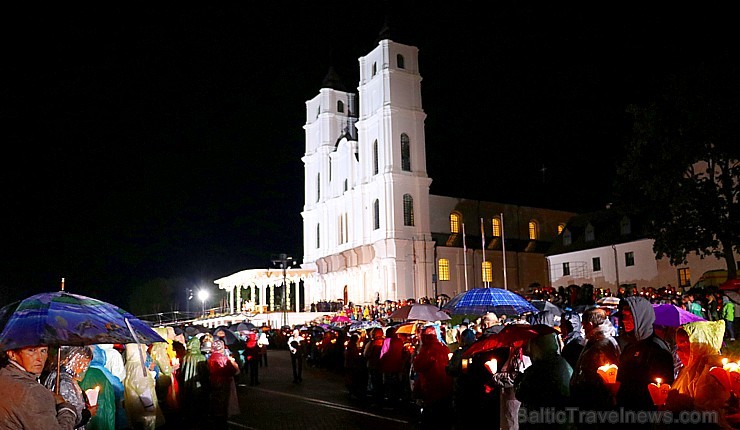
(371, 229)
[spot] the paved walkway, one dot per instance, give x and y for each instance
(319, 402)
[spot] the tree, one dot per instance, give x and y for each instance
(680, 171)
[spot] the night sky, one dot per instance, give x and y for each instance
(162, 140)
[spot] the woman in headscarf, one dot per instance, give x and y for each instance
(695, 389)
(140, 394)
(73, 364)
(221, 371)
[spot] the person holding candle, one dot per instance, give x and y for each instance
(695, 388)
(108, 393)
(644, 357)
(73, 364)
(466, 384)
(589, 391)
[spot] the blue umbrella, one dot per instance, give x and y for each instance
(61, 318)
(479, 301)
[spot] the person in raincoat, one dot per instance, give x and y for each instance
(546, 383)
(194, 383)
(252, 358)
(223, 401)
(110, 391)
(695, 389)
(140, 394)
(115, 366)
(73, 364)
(433, 387)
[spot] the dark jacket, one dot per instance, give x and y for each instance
(587, 388)
(644, 357)
(573, 341)
(546, 383)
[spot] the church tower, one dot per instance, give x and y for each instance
(366, 212)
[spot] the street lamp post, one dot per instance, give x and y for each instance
(283, 261)
(203, 296)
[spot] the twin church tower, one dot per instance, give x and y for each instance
(366, 228)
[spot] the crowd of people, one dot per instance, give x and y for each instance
(537, 370)
(187, 382)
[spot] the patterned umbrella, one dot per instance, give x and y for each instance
(61, 318)
(479, 301)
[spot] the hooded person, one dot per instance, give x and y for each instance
(252, 358)
(193, 380)
(223, 401)
(140, 394)
(434, 387)
(546, 383)
(696, 388)
(572, 336)
(644, 356)
(110, 393)
(74, 361)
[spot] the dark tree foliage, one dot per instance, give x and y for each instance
(680, 170)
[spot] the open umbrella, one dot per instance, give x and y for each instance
(229, 337)
(61, 318)
(340, 319)
(670, 315)
(511, 335)
(608, 301)
(419, 311)
(546, 305)
(479, 301)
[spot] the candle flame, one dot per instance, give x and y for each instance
(725, 361)
(658, 380)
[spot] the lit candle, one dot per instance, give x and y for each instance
(492, 365)
(659, 391)
(92, 395)
(608, 373)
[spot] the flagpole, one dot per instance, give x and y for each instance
(503, 248)
(483, 248)
(465, 258)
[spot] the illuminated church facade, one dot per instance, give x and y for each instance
(371, 229)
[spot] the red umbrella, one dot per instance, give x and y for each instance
(511, 335)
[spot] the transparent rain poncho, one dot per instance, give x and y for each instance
(140, 395)
(73, 364)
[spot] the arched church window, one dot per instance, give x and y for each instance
(375, 157)
(405, 153)
(408, 210)
(376, 214)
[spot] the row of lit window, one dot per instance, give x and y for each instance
(496, 225)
